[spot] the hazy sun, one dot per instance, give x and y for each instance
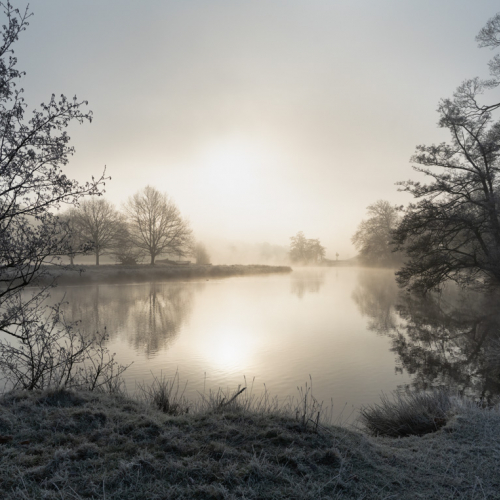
(235, 178)
(232, 165)
(234, 169)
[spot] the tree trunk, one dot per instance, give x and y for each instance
(97, 258)
(72, 260)
(152, 260)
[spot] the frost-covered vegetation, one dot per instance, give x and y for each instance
(62, 444)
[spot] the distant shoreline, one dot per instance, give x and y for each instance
(115, 274)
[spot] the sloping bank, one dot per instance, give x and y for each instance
(83, 275)
(88, 445)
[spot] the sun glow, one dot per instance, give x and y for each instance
(228, 348)
(234, 186)
(234, 168)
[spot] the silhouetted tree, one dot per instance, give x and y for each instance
(98, 222)
(489, 36)
(32, 183)
(306, 251)
(45, 351)
(453, 231)
(373, 239)
(156, 225)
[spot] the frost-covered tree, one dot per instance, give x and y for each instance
(33, 151)
(452, 230)
(37, 349)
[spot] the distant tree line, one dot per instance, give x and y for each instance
(149, 225)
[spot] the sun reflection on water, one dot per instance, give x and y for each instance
(227, 348)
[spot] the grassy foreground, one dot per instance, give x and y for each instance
(113, 274)
(68, 445)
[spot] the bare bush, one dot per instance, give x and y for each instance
(48, 352)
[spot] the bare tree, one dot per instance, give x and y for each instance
(37, 348)
(32, 182)
(124, 251)
(156, 224)
(488, 36)
(452, 231)
(98, 222)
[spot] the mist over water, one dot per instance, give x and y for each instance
(350, 329)
(280, 329)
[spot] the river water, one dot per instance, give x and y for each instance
(350, 330)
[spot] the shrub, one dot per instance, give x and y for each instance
(49, 353)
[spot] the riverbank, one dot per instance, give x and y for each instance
(115, 274)
(64, 444)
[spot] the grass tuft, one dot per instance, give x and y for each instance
(165, 395)
(408, 413)
(305, 409)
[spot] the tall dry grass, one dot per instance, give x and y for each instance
(168, 396)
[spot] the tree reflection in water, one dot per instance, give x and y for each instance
(376, 296)
(449, 339)
(159, 316)
(149, 315)
(310, 281)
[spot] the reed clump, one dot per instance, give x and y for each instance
(408, 413)
(165, 394)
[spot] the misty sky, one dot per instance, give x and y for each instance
(259, 118)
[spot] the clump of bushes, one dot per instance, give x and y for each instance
(408, 413)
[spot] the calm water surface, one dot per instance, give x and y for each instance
(349, 329)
